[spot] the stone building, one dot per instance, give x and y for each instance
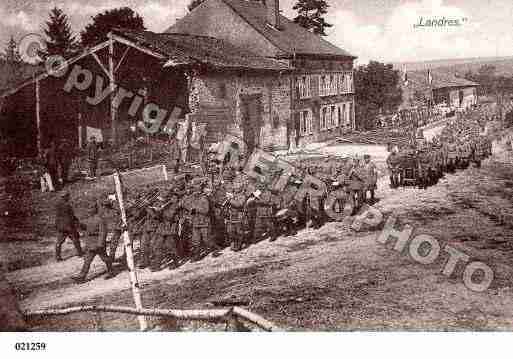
(238, 66)
(445, 88)
(312, 101)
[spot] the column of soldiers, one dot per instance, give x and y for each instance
(195, 217)
(423, 163)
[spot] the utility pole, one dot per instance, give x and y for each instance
(112, 88)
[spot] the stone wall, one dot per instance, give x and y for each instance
(221, 92)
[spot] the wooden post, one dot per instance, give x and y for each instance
(143, 325)
(112, 87)
(38, 119)
(80, 130)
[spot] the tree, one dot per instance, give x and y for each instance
(310, 15)
(377, 90)
(96, 32)
(12, 55)
(486, 78)
(59, 37)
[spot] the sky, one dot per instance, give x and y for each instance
(381, 30)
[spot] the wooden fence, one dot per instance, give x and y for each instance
(233, 317)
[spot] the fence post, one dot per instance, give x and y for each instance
(143, 325)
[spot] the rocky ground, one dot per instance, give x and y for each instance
(332, 278)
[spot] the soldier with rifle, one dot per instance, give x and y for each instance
(95, 243)
(393, 162)
(167, 232)
(235, 203)
(371, 177)
(67, 226)
(200, 212)
(266, 202)
(151, 223)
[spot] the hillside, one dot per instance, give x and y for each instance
(504, 65)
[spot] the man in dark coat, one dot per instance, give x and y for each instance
(92, 156)
(65, 157)
(174, 154)
(95, 243)
(200, 212)
(236, 201)
(66, 224)
(166, 239)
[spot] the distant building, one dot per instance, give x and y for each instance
(445, 88)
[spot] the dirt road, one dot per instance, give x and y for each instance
(327, 279)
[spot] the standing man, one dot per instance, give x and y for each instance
(267, 204)
(166, 234)
(236, 201)
(393, 167)
(92, 156)
(200, 211)
(66, 224)
(371, 177)
(95, 243)
(174, 154)
(65, 157)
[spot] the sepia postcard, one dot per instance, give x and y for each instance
(255, 166)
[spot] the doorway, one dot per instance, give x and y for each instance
(251, 108)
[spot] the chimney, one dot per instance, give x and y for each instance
(273, 13)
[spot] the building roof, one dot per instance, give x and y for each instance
(441, 79)
(290, 40)
(187, 49)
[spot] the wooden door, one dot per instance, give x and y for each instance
(251, 120)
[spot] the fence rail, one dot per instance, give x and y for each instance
(226, 314)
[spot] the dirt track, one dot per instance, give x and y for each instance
(327, 279)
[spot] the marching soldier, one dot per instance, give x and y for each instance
(151, 223)
(66, 224)
(235, 202)
(200, 211)
(356, 181)
(92, 156)
(174, 154)
(267, 203)
(65, 157)
(371, 177)
(452, 156)
(95, 243)
(393, 166)
(166, 234)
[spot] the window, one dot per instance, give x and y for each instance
(305, 122)
(333, 116)
(322, 85)
(304, 86)
(350, 114)
(333, 84)
(324, 115)
(349, 82)
(343, 114)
